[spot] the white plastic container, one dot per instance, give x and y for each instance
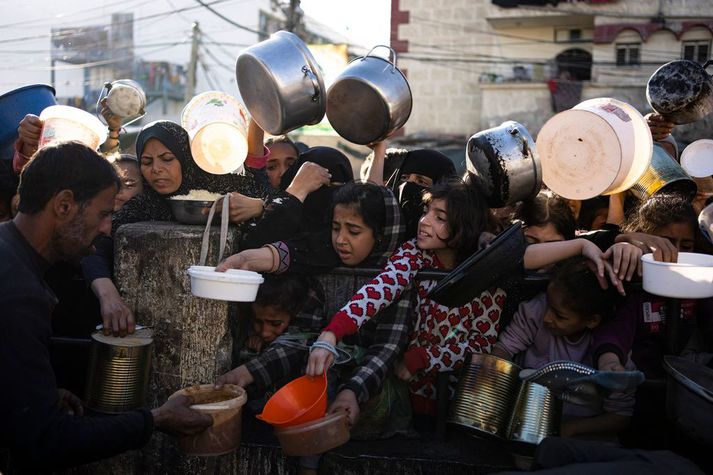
(689, 278)
(217, 124)
(697, 158)
(600, 146)
(233, 285)
(64, 123)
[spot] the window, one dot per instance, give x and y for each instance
(627, 54)
(698, 51)
(575, 35)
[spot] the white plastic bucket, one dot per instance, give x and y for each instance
(217, 124)
(601, 146)
(689, 278)
(233, 285)
(697, 158)
(65, 123)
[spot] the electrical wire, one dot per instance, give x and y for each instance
(225, 18)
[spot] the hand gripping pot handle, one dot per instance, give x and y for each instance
(392, 54)
(315, 83)
(223, 229)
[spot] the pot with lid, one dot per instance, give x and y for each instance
(370, 99)
(681, 91)
(504, 162)
(281, 84)
(125, 98)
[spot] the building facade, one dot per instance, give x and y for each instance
(473, 64)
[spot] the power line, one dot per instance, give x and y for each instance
(225, 18)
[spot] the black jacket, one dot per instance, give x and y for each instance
(38, 433)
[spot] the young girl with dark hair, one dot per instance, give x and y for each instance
(448, 233)
(547, 218)
(558, 325)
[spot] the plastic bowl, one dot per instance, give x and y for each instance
(299, 401)
(697, 158)
(233, 285)
(225, 407)
(315, 437)
(689, 278)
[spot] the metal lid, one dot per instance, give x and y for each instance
(140, 337)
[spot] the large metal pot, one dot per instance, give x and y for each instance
(689, 398)
(681, 91)
(369, 100)
(504, 162)
(281, 84)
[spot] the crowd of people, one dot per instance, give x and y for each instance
(301, 213)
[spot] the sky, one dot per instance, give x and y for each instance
(162, 33)
(366, 22)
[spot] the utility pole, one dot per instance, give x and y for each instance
(193, 63)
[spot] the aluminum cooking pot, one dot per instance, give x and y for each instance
(369, 100)
(663, 175)
(681, 91)
(504, 162)
(281, 84)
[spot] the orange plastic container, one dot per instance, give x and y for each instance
(299, 401)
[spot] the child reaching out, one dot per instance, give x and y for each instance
(557, 325)
(448, 233)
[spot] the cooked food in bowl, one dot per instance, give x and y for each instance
(193, 207)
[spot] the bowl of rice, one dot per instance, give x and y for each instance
(193, 207)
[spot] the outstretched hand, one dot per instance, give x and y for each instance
(321, 359)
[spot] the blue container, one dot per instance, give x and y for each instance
(16, 104)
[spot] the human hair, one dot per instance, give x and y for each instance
(286, 293)
(590, 209)
(282, 139)
(467, 214)
(660, 210)
(548, 208)
(578, 288)
(367, 200)
(64, 166)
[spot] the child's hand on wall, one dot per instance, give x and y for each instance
(346, 400)
(254, 343)
(609, 362)
(239, 376)
(401, 371)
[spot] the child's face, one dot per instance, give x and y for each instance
(351, 237)
(433, 229)
(282, 156)
(681, 235)
(131, 185)
(544, 233)
(269, 322)
(561, 321)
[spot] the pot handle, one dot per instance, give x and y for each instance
(315, 83)
(389, 59)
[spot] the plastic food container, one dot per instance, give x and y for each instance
(64, 123)
(225, 407)
(297, 402)
(689, 278)
(233, 285)
(314, 437)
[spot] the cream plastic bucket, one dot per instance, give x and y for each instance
(601, 146)
(217, 124)
(65, 123)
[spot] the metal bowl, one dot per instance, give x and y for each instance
(192, 211)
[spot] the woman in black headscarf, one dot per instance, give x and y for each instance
(168, 169)
(420, 170)
(305, 199)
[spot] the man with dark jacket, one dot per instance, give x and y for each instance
(66, 200)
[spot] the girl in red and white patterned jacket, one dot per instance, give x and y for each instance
(448, 233)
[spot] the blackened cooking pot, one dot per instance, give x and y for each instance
(681, 91)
